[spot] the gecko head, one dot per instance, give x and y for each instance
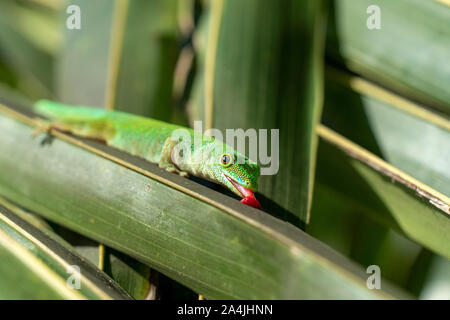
(241, 177)
(222, 164)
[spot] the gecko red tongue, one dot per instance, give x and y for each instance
(249, 197)
(251, 201)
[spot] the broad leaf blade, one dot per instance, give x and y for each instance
(128, 56)
(44, 262)
(16, 272)
(263, 70)
(409, 52)
(388, 194)
(130, 274)
(150, 50)
(124, 60)
(402, 133)
(29, 58)
(205, 240)
(133, 276)
(432, 277)
(343, 224)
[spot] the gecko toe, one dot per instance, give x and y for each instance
(47, 139)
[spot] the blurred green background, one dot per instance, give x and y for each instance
(292, 65)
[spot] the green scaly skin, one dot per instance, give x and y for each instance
(153, 140)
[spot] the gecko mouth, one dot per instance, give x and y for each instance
(247, 194)
(242, 190)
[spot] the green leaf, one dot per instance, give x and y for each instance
(35, 23)
(124, 60)
(387, 194)
(139, 40)
(25, 53)
(31, 218)
(205, 240)
(409, 53)
(35, 265)
(376, 244)
(130, 274)
(404, 134)
(431, 277)
(263, 70)
(341, 223)
(133, 276)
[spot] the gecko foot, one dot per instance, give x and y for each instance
(171, 168)
(43, 126)
(47, 139)
(166, 159)
(183, 174)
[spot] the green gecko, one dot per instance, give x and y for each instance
(155, 141)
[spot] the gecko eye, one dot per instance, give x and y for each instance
(225, 160)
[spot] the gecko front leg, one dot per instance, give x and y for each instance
(166, 161)
(46, 127)
(41, 126)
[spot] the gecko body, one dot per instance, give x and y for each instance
(159, 142)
